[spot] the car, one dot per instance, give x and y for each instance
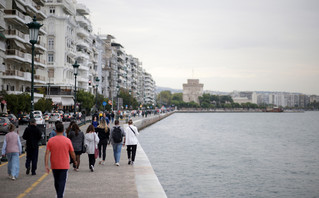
(39, 119)
(24, 118)
(37, 112)
(13, 119)
(68, 117)
(54, 117)
(46, 116)
(4, 125)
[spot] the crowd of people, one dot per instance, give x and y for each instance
(65, 147)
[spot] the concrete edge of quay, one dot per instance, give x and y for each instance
(146, 180)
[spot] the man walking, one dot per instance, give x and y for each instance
(60, 148)
(117, 134)
(32, 135)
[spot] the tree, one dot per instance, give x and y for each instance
(17, 103)
(164, 98)
(86, 100)
(44, 105)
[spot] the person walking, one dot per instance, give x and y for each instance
(95, 123)
(53, 132)
(12, 149)
(117, 134)
(131, 141)
(112, 117)
(91, 141)
(32, 135)
(104, 134)
(77, 138)
(59, 148)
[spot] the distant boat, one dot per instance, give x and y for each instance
(274, 109)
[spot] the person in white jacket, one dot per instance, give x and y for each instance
(91, 141)
(131, 141)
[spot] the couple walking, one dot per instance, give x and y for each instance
(126, 137)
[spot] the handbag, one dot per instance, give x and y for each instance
(96, 151)
(83, 148)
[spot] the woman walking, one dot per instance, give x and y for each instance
(91, 141)
(104, 134)
(12, 148)
(131, 141)
(77, 138)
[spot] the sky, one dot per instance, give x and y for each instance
(246, 45)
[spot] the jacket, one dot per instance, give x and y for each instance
(77, 141)
(91, 141)
(32, 135)
(130, 137)
(104, 137)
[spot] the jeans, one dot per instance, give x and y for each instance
(102, 146)
(131, 152)
(117, 152)
(13, 164)
(60, 176)
(32, 156)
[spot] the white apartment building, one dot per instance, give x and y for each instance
(15, 48)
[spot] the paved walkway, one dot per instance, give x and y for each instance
(106, 181)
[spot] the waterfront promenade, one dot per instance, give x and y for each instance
(106, 181)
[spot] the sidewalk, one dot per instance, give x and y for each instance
(106, 181)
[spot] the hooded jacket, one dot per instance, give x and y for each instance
(91, 141)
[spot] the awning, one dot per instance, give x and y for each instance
(67, 101)
(20, 7)
(19, 45)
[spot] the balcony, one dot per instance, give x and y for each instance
(82, 9)
(82, 20)
(15, 34)
(14, 16)
(40, 62)
(83, 55)
(82, 44)
(23, 76)
(83, 33)
(15, 54)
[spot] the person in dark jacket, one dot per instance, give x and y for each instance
(32, 135)
(104, 135)
(77, 138)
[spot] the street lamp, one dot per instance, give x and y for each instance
(97, 84)
(34, 27)
(76, 68)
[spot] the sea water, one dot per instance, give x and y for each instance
(235, 154)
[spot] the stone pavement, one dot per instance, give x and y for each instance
(106, 181)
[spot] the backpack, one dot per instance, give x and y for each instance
(117, 135)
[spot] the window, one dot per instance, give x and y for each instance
(51, 43)
(50, 58)
(52, 9)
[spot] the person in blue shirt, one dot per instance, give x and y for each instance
(53, 132)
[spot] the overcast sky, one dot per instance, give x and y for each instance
(246, 45)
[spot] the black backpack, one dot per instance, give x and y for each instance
(117, 135)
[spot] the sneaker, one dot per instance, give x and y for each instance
(129, 162)
(34, 173)
(28, 171)
(103, 163)
(132, 163)
(100, 162)
(92, 168)
(10, 176)
(117, 164)
(13, 178)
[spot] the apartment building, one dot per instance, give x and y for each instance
(15, 48)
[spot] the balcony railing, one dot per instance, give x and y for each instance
(15, 33)
(14, 73)
(15, 12)
(15, 52)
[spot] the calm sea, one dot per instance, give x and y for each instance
(235, 154)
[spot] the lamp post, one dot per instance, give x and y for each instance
(97, 85)
(76, 67)
(34, 27)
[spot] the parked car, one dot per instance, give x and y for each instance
(13, 119)
(46, 116)
(68, 117)
(24, 118)
(54, 117)
(4, 123)
(37, 112)
(39, 119)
